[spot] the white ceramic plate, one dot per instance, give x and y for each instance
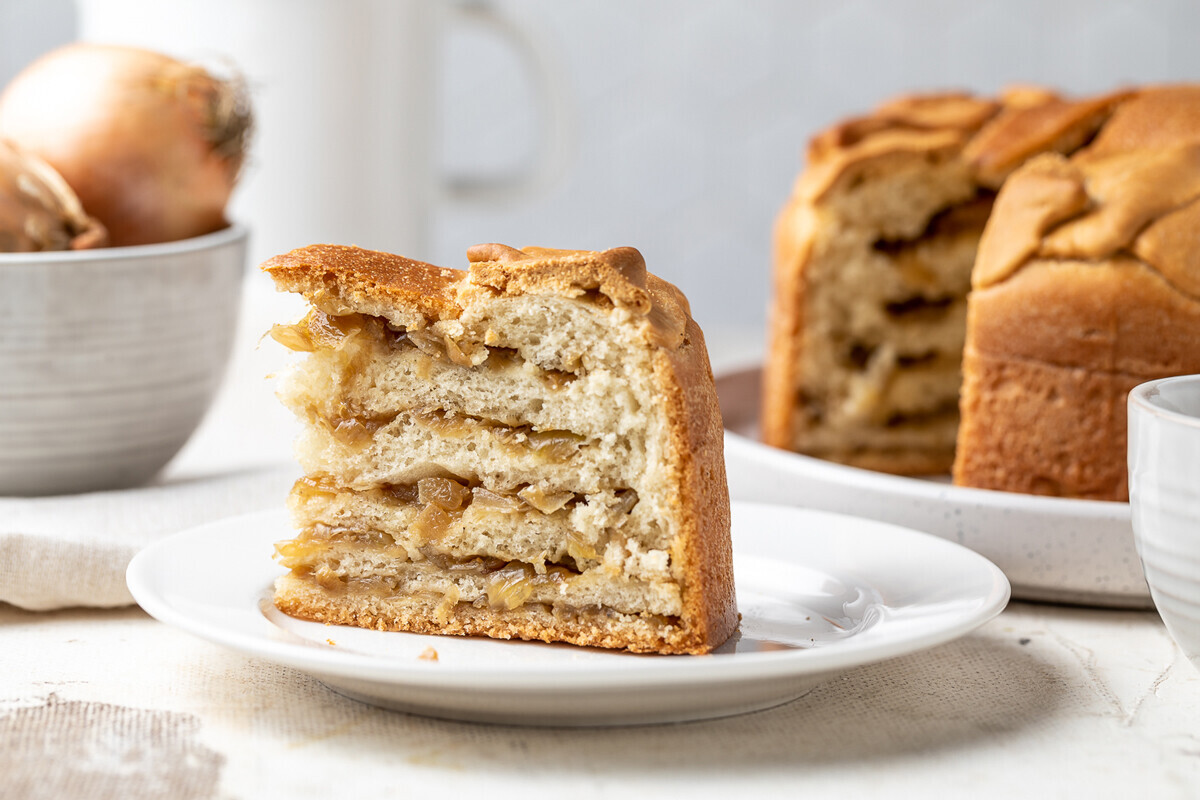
(819, 593)
(1051, 548)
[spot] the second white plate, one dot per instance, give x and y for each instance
(818, 593)
(1051, 548)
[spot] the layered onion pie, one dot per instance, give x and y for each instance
(528, 449)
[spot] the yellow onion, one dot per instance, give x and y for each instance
(38, 210)
(153, 147)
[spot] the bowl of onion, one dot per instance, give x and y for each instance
(120, 275)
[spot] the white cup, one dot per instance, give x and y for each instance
(1164, 497)
(345, 104)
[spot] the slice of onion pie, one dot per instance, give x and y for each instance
(530, 449)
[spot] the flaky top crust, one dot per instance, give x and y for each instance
(1135, 189)
(994, 137)
(938, 125)
(1031, 123)
(619, 274)
(340, 278)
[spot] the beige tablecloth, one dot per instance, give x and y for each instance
(1042, 702)
(73, 551)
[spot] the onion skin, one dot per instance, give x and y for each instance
(38, 210)
(152, 147)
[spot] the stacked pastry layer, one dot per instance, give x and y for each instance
(529, 450)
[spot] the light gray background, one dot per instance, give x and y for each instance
(691, 115)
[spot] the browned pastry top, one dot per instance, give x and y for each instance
(1034, 122)
(913, 114)
(337, 278)
(330, 273)
(993, 136)
(619, 274)
(934, 124)
(1135, 189)
(1131, 183)
(1159, 116)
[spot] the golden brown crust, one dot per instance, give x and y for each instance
(794, 235)
(697, 440)
(619, 274)
(298, 597)
(1128, 192)
(1068, 454)
(946, 110)
(330, 276)
(1033, 124)
(1117, 316)
(1051, 354)
(1142, 168)
(337, 278)
(1048, 191)
(935, 125)
(1149, 119)
(950, 112)
(1171, 244)
(842, 169)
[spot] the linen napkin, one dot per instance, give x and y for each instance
(72, 551)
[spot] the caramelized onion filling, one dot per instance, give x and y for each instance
(507, 584)
(549, 445)
(319, 330)
(455, 495)
(356, 429)
(442, 503)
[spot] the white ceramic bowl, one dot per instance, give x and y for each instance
(1164, 494)
(110, 357)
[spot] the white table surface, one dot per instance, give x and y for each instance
(1044, 701)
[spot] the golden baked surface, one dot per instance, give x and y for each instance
(324, 273)
(332, 275)
(528, 448)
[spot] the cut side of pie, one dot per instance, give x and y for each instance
(528, 449)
